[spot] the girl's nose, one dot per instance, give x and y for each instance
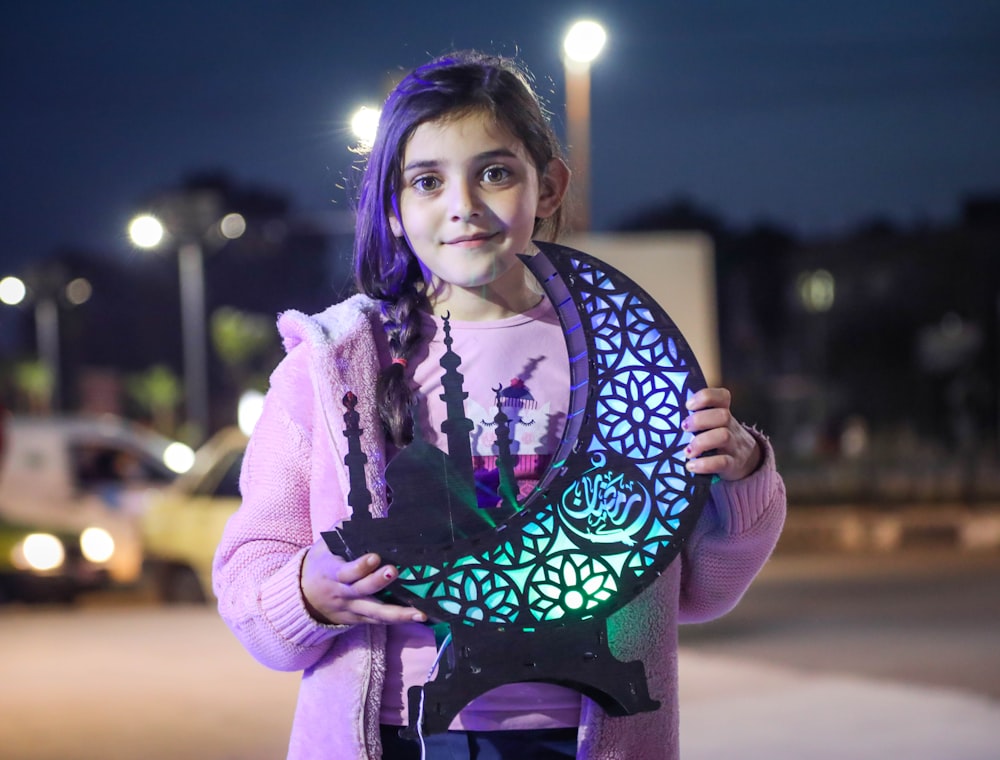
(464, 202)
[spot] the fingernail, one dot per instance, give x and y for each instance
(419, 617)
(687, 452)
(389, 575)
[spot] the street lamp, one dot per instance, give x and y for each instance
(364, 124)
(581, 45)
(188, 219)
(46, 295)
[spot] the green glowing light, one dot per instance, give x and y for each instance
(562, 543)
(497, 598)
(520, 576)
(574, 600)
(422, 590)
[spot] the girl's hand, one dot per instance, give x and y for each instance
(341, 592)
(720, 445)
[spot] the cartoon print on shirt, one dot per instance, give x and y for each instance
(529, 423)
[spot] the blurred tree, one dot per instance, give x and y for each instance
(243, 341)
(157, 391)
(33, 382)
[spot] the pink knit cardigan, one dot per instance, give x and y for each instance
(294, 485)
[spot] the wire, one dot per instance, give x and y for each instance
(420, 712)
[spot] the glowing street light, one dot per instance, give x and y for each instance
(582, 44)
(364, 124)
(148, 231)
(12, 290)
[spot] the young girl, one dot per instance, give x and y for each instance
(464, 173)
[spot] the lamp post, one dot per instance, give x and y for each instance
(46, 295)
(191, 270)
(581, 45)
(188, 223)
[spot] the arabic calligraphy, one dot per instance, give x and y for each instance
(604, 505)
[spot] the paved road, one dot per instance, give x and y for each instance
(120, 679)
(922, 617)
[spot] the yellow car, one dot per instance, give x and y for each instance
(182, 526)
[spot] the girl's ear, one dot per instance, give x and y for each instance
(395, 225)
(552, 188)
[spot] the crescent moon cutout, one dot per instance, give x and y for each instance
(611, 512)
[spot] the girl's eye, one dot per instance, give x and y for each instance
(426, 184)
(496, 174)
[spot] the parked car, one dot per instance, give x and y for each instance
(39, 563)
(182, 525)
(71, 477)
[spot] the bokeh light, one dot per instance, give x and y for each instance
(364, 125)
(42, 551)
(584, 41)
(97, 545)
(79, 291)
(233, 226)
(250, 406)
(179, 457)
(146, 231)
(12, 291)
(816, 290)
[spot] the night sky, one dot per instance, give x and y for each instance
(812, 115)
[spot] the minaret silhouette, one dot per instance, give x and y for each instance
(508, 483)
(457, 428)
(359, 498)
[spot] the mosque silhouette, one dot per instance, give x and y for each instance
(433, 493)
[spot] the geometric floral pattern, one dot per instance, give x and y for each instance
(617, 502)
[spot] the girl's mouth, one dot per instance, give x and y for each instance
(471, 240)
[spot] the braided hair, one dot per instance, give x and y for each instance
(384, 266)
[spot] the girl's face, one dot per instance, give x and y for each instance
(467, 206)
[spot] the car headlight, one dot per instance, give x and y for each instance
(39, 551)
(97, 545)
(179, 457)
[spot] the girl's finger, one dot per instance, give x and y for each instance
(706, 420)
(375, 581)
(709, 397)
(354, 571)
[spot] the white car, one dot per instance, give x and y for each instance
(90, 476)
